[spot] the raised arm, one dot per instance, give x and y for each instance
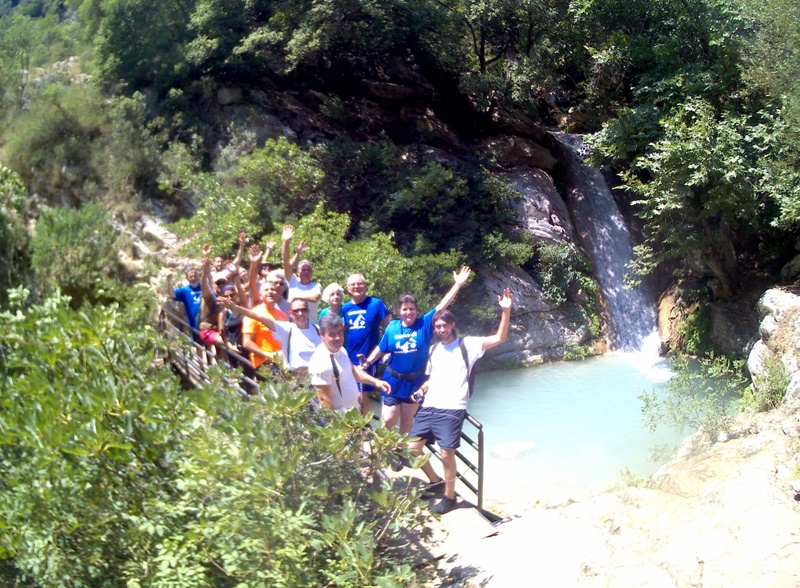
(170, 290)
(298, 251)
(240, 251)
(205, 283)
(255, 256)
(286, 236)
(505, 319)
(237, 283)
(459, 279)
(267, 320)
(268, 247)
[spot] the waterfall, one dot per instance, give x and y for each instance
(602, 232)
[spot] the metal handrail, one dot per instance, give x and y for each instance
(177, 329)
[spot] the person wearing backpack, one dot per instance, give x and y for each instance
(444, 397)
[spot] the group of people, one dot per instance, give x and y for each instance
(271, 315)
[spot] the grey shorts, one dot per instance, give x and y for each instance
(439, 424)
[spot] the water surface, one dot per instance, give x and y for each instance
(567, 430)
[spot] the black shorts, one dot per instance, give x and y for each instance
(439, 424)
(389, 400)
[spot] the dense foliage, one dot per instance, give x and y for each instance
(699, 132)
(697, 102)
(112, 475)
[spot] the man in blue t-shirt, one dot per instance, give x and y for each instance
(364, 316)
(190, 295)
(407, 341)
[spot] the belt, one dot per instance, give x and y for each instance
(400, 376)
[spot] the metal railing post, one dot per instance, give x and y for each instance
(480, 469)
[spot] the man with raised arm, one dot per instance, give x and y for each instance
(364, 316)
(299, 340)
(190, 295)
(407, 340)
(445, 395)
(256, 337)
(300, 284)
(333, 375)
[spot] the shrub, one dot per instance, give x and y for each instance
(52, 144)
(112, 475)
(768, 387)
(696, 331)
(13, 231)
(389, 274)
(560, 266)
(74, 251)
(701, 396)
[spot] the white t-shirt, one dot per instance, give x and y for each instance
(448, 386)
(297, 352)
(312, 288)
(320, 369)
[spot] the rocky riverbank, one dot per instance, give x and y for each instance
(726, 514)
(727, 517)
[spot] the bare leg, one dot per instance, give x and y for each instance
(391, 414)
(450, 472)
(407, 413)
(427, 468)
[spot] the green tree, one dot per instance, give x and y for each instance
(691, 136)
(142, 44)
(19, 37)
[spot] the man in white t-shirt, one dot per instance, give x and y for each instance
(300, 284)
(299, 340)
(446, 393)
(333, 375)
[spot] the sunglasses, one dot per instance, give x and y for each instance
(299, 310)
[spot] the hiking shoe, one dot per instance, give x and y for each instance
(444, 505)
(432, 489)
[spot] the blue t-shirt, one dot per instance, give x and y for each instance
(190, 297)
(363, 322)
(409, 348)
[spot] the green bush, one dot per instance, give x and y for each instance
(560, 266)
(701, 396)
(696, 331)
(13, 231)
(768, 388)
(53, 143)
(388, 273)
(74, 251)
(112, 475)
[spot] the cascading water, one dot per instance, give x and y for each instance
(603, 234)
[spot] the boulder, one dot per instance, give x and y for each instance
(512, 150)
(538, 328)
(779, 342)
(540, 209)
(734, 327)
(388, 90)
